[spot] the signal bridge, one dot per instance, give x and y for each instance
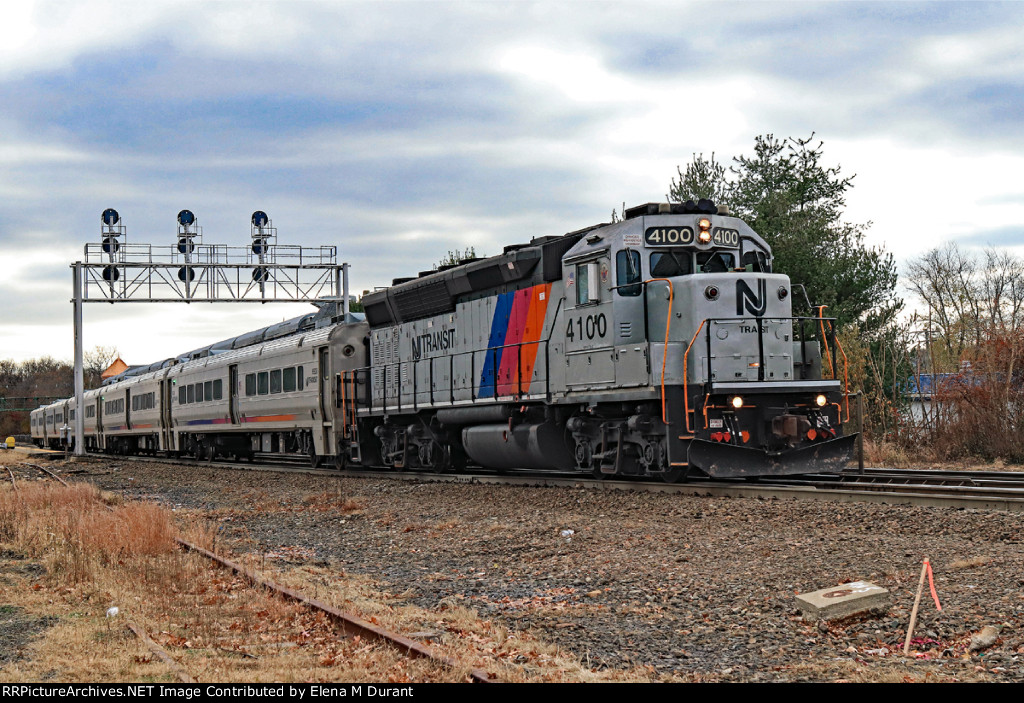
(191, 271)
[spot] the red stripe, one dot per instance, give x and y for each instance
(508, 380)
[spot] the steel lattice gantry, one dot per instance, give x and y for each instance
(190, 271)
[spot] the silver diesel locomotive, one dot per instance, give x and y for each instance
(662, 345)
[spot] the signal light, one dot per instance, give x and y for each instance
(812, 434)
(745, 436)
(820, 401)
(737, 402)
(711, 292)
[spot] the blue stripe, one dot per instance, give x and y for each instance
(499, 330)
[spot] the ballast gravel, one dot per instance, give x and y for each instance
(695, 587)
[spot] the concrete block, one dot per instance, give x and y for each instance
(842, 601)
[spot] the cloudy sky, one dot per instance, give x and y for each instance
(397, 131)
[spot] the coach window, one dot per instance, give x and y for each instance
(250, 384)
(275, 381)
(289, 380)
(627, 272)
(666, 264)
(208, 390)
(218, 389)
(181, 395)
(299, 377)
(262, 385)
(190, 395)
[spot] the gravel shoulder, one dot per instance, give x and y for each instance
(693, 587)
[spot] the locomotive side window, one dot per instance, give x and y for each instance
(250, 384)
(715, 261)
(275, 381)
(262, 384)
(627, 272)
(587, 280)
(666, 264)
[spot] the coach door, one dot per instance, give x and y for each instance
(326, 416)
(165, 414)
(233, 393)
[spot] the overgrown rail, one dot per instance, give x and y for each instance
(347, 621)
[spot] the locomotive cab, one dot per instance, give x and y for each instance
(682, 301)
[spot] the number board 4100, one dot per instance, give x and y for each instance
(682, 236)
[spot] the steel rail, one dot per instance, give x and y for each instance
(814, 488)
(160, 652)
(348, 622)
(47, 471)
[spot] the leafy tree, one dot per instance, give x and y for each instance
(786, 194)
(455, 257)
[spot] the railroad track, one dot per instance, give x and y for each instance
(348, 623)
(984, 490)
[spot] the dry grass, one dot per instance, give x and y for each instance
(890, 455)
(968, 563)
(75, 532)
(217, 627)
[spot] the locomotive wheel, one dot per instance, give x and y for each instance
(314, 459)
(211, 453)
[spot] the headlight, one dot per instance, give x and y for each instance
(704, 225)
(737, 402)
(820, 401)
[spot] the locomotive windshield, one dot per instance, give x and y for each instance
(665, 264)
(715, 261)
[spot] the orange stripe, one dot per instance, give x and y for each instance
(534, 330)
(270, 418)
